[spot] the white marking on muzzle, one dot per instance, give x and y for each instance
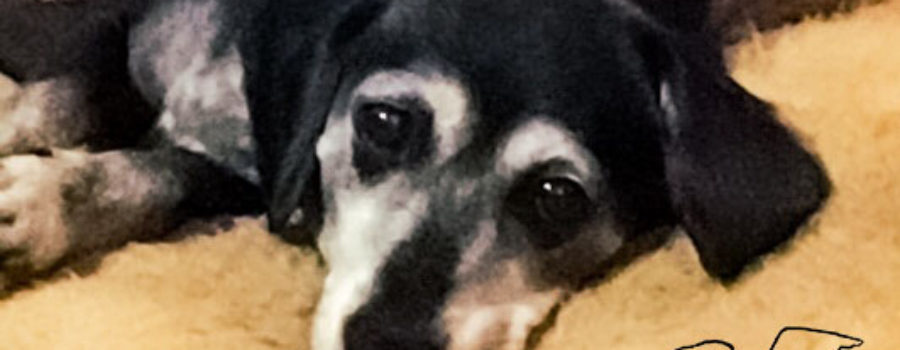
(363, 226)
(365, 222)
(355, 242)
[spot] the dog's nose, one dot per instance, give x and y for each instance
(374, 332)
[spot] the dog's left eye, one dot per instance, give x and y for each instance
(553, 208)
(383, 125)
(561, 200)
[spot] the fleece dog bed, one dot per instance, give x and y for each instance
(837, 82)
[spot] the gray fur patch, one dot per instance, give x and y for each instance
(205, 110)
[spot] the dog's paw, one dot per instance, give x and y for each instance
(33, 231)
(33, 117)
(21, 117)
(9, 92)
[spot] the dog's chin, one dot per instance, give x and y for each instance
(505, 326)
(479, 316)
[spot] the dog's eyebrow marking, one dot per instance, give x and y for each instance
(540, 140)
(446, 97)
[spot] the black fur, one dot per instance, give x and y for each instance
(291, 77)
(86, 44)
(740, 180)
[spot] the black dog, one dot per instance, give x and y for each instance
(463, 164)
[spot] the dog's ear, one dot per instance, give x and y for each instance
(741, 183)
(293, 73)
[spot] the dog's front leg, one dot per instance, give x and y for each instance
(71, 202)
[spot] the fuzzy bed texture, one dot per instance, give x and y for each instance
(837, 82)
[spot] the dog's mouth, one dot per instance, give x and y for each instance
(436, 290)
(496, 309)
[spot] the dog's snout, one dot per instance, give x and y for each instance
(403, 310)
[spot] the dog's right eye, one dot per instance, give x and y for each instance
(390, 133)
(384, 126)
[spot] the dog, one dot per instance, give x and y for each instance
(462, 166)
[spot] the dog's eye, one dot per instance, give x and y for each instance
(383, 125)
(390, 132)
(561, 200)
(553, 208)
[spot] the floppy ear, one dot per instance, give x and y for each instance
(292, 76)
(740, 181)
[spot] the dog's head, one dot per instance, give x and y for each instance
(481, 159)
